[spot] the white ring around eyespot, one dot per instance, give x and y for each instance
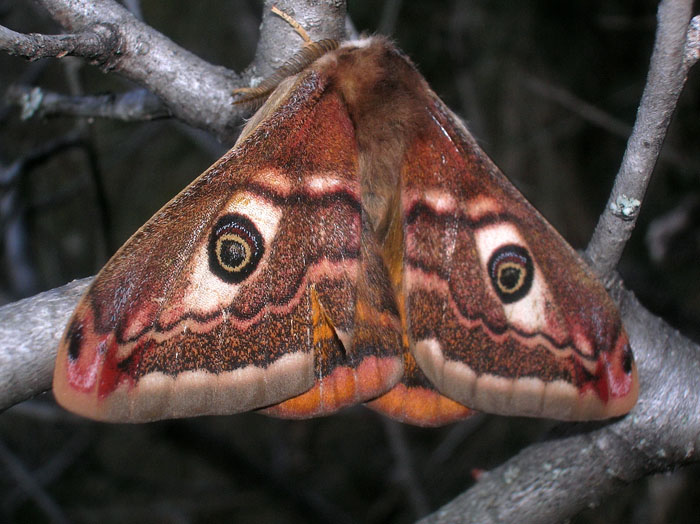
(205, 293)
(529, 313)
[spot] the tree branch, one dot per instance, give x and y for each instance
(191, 89)
(675, 51)
(194, 90)
(278, 40)
(97, 44)
(549, 481)
(131, 106)
(30, 330)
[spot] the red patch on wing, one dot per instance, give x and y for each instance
(116, 372)
(614, 376)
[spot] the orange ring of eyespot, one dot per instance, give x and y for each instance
(232, 265)
(521, 277)
(507, 258)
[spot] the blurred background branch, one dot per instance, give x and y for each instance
(676, 40)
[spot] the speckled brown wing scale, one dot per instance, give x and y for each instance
(355, 245)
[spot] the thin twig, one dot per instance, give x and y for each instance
(131, 106)
(97, 43)
(279, 42)
(672, 57)
(296, 25)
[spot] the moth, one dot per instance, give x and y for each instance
(354, 246)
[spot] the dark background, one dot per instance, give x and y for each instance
(550, 90)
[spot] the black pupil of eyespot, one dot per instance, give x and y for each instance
(511, 271)
(235, 248)
(232, 252)
(510, 277)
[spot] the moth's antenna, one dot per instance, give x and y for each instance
(254, 97)
(296, 25)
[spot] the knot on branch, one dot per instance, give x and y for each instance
(626, 208)
(107, 48)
